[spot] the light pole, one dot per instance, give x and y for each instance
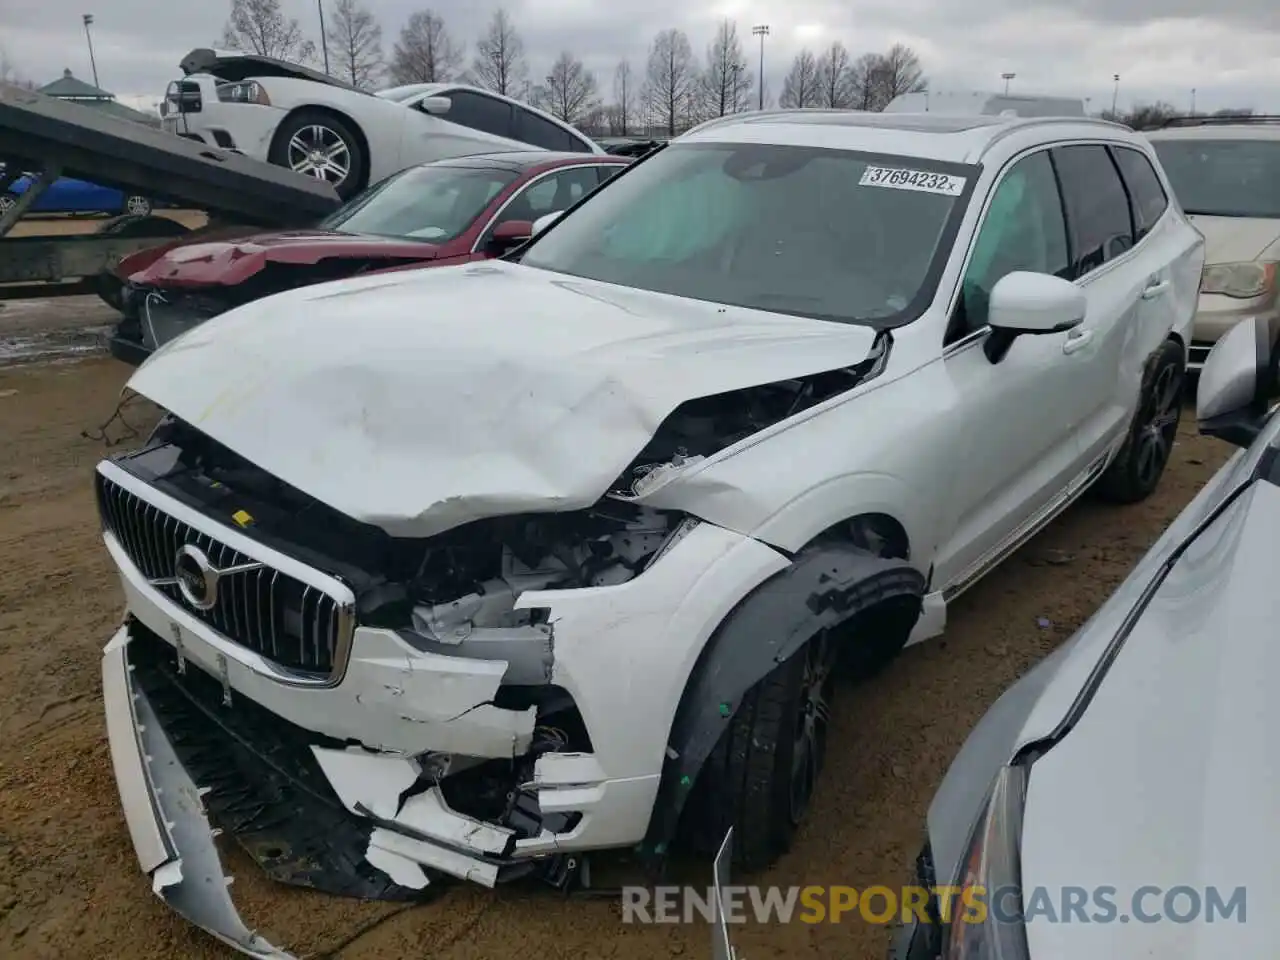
(1115, 93)
(88, 19)
(761, 30)
(324, 41)
(1006, 77)
(1193, 101)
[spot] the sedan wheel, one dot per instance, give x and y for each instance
(7, 203)
(138, 206)
(320, 152)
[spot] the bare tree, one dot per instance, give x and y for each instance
(499, 63)
(354, 41)
(425, 53)
(1148, 116)
(900, 73)
(9, 72)
(726, 81)
(670, 79)
(259, 26)
(622, 113)
(571, 93)
(800, 87)
(834, 87)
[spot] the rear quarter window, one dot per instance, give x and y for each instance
(1146, 196)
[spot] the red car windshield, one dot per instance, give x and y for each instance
(435, 203)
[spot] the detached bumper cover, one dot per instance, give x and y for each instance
(165, 813)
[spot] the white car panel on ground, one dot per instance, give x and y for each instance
(767, 400)
(290, 116)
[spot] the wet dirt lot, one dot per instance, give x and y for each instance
(69, 884)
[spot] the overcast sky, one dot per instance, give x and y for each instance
(1228, 50)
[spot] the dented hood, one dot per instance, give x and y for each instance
(417, 401)
(229, 261)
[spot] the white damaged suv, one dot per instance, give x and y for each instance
(564, 554)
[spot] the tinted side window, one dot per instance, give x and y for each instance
(1097, 206)
(1023, 230)
(1145, 192)
(531, 128)
(479, 112)
(549, 194)
(605, 171)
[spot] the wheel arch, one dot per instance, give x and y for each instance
(362, 139)
(833, 581)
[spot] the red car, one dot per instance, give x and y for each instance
(434, 214)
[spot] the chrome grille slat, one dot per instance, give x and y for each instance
(295, 625)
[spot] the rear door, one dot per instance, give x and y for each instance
(540, 132)
(1118, 271)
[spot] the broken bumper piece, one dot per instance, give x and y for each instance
(189, 770)
(171, 834)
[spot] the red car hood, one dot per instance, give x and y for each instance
(229, 261)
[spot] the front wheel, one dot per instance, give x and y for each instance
(1137, 468)
(318, 144)
(761, 776)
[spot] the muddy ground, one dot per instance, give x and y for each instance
(69, 884)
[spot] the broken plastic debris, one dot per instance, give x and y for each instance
(1044, 623)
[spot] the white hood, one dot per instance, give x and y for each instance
(1171, 777)
(420, 400)
(1235, 239)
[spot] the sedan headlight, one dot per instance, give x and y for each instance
(986, 914)
(249, 91)
(1240, 280)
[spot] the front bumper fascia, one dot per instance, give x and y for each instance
(171, 833)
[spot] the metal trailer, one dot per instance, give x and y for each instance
(49, 138)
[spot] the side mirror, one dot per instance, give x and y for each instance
(436, 106)
(510, 234)
(544, 221)
(1236, 384)
(1024, 303)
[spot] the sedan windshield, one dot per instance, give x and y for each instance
(1224, 178)
(433, 202)
(820, 233)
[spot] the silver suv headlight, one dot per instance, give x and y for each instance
(986, 912)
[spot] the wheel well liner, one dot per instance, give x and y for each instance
(361, 139)
(833, 583)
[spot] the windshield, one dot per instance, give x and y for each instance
(1224, 178)
(819, 233)
(436, 203)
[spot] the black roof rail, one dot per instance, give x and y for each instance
(1210, 120)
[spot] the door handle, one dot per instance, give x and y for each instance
(1155, 288)
(1076, 340)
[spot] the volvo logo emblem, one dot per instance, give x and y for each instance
(197, 577)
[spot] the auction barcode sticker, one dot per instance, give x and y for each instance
(900, 178)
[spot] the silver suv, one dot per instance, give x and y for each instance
(1226, 174)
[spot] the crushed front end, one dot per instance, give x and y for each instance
(365, 715)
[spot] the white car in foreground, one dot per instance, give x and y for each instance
(295, 117)
(564, 555)
(1133, 770)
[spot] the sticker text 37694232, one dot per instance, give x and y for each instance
(900, 178)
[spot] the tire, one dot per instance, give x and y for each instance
(760, 777)
(137, 206)
(7, 203)
(324, 132)
(1135, 473)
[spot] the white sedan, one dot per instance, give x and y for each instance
(295, 117)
